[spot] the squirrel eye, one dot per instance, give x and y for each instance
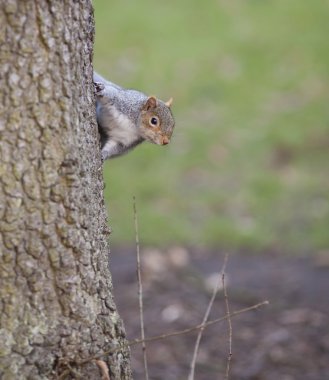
(154, 121)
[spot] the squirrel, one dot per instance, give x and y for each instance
(128, 117)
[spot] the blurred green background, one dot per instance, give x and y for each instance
(247, 167)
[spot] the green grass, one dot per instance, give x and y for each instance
(248, 164)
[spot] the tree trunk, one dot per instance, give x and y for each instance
(56, 300)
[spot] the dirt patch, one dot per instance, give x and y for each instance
(287, 340)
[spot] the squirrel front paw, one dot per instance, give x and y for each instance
(99, 89)
(104, 155)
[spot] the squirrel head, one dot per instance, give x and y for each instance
(156, 121)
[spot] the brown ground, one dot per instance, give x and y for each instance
(287, 340)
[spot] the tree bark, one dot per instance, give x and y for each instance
(56, 299)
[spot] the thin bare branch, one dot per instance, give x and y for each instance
(205, 319)
(176, 333)
(229, 357)
(194, 328)
(140, 291)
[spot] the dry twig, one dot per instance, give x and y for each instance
(175, 333)
(140, 291)
(228, 363)
(194, 328)
(205, 319)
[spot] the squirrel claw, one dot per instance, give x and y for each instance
(104, 156)
(99, 88)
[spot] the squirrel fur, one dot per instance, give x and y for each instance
(127, 117)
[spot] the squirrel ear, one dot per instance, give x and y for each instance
(150, 103)
(169, 102)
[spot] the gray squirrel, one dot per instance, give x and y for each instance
(127, 117)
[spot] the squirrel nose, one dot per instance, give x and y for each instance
(165, 140)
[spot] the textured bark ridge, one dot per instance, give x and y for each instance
(56, 305)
